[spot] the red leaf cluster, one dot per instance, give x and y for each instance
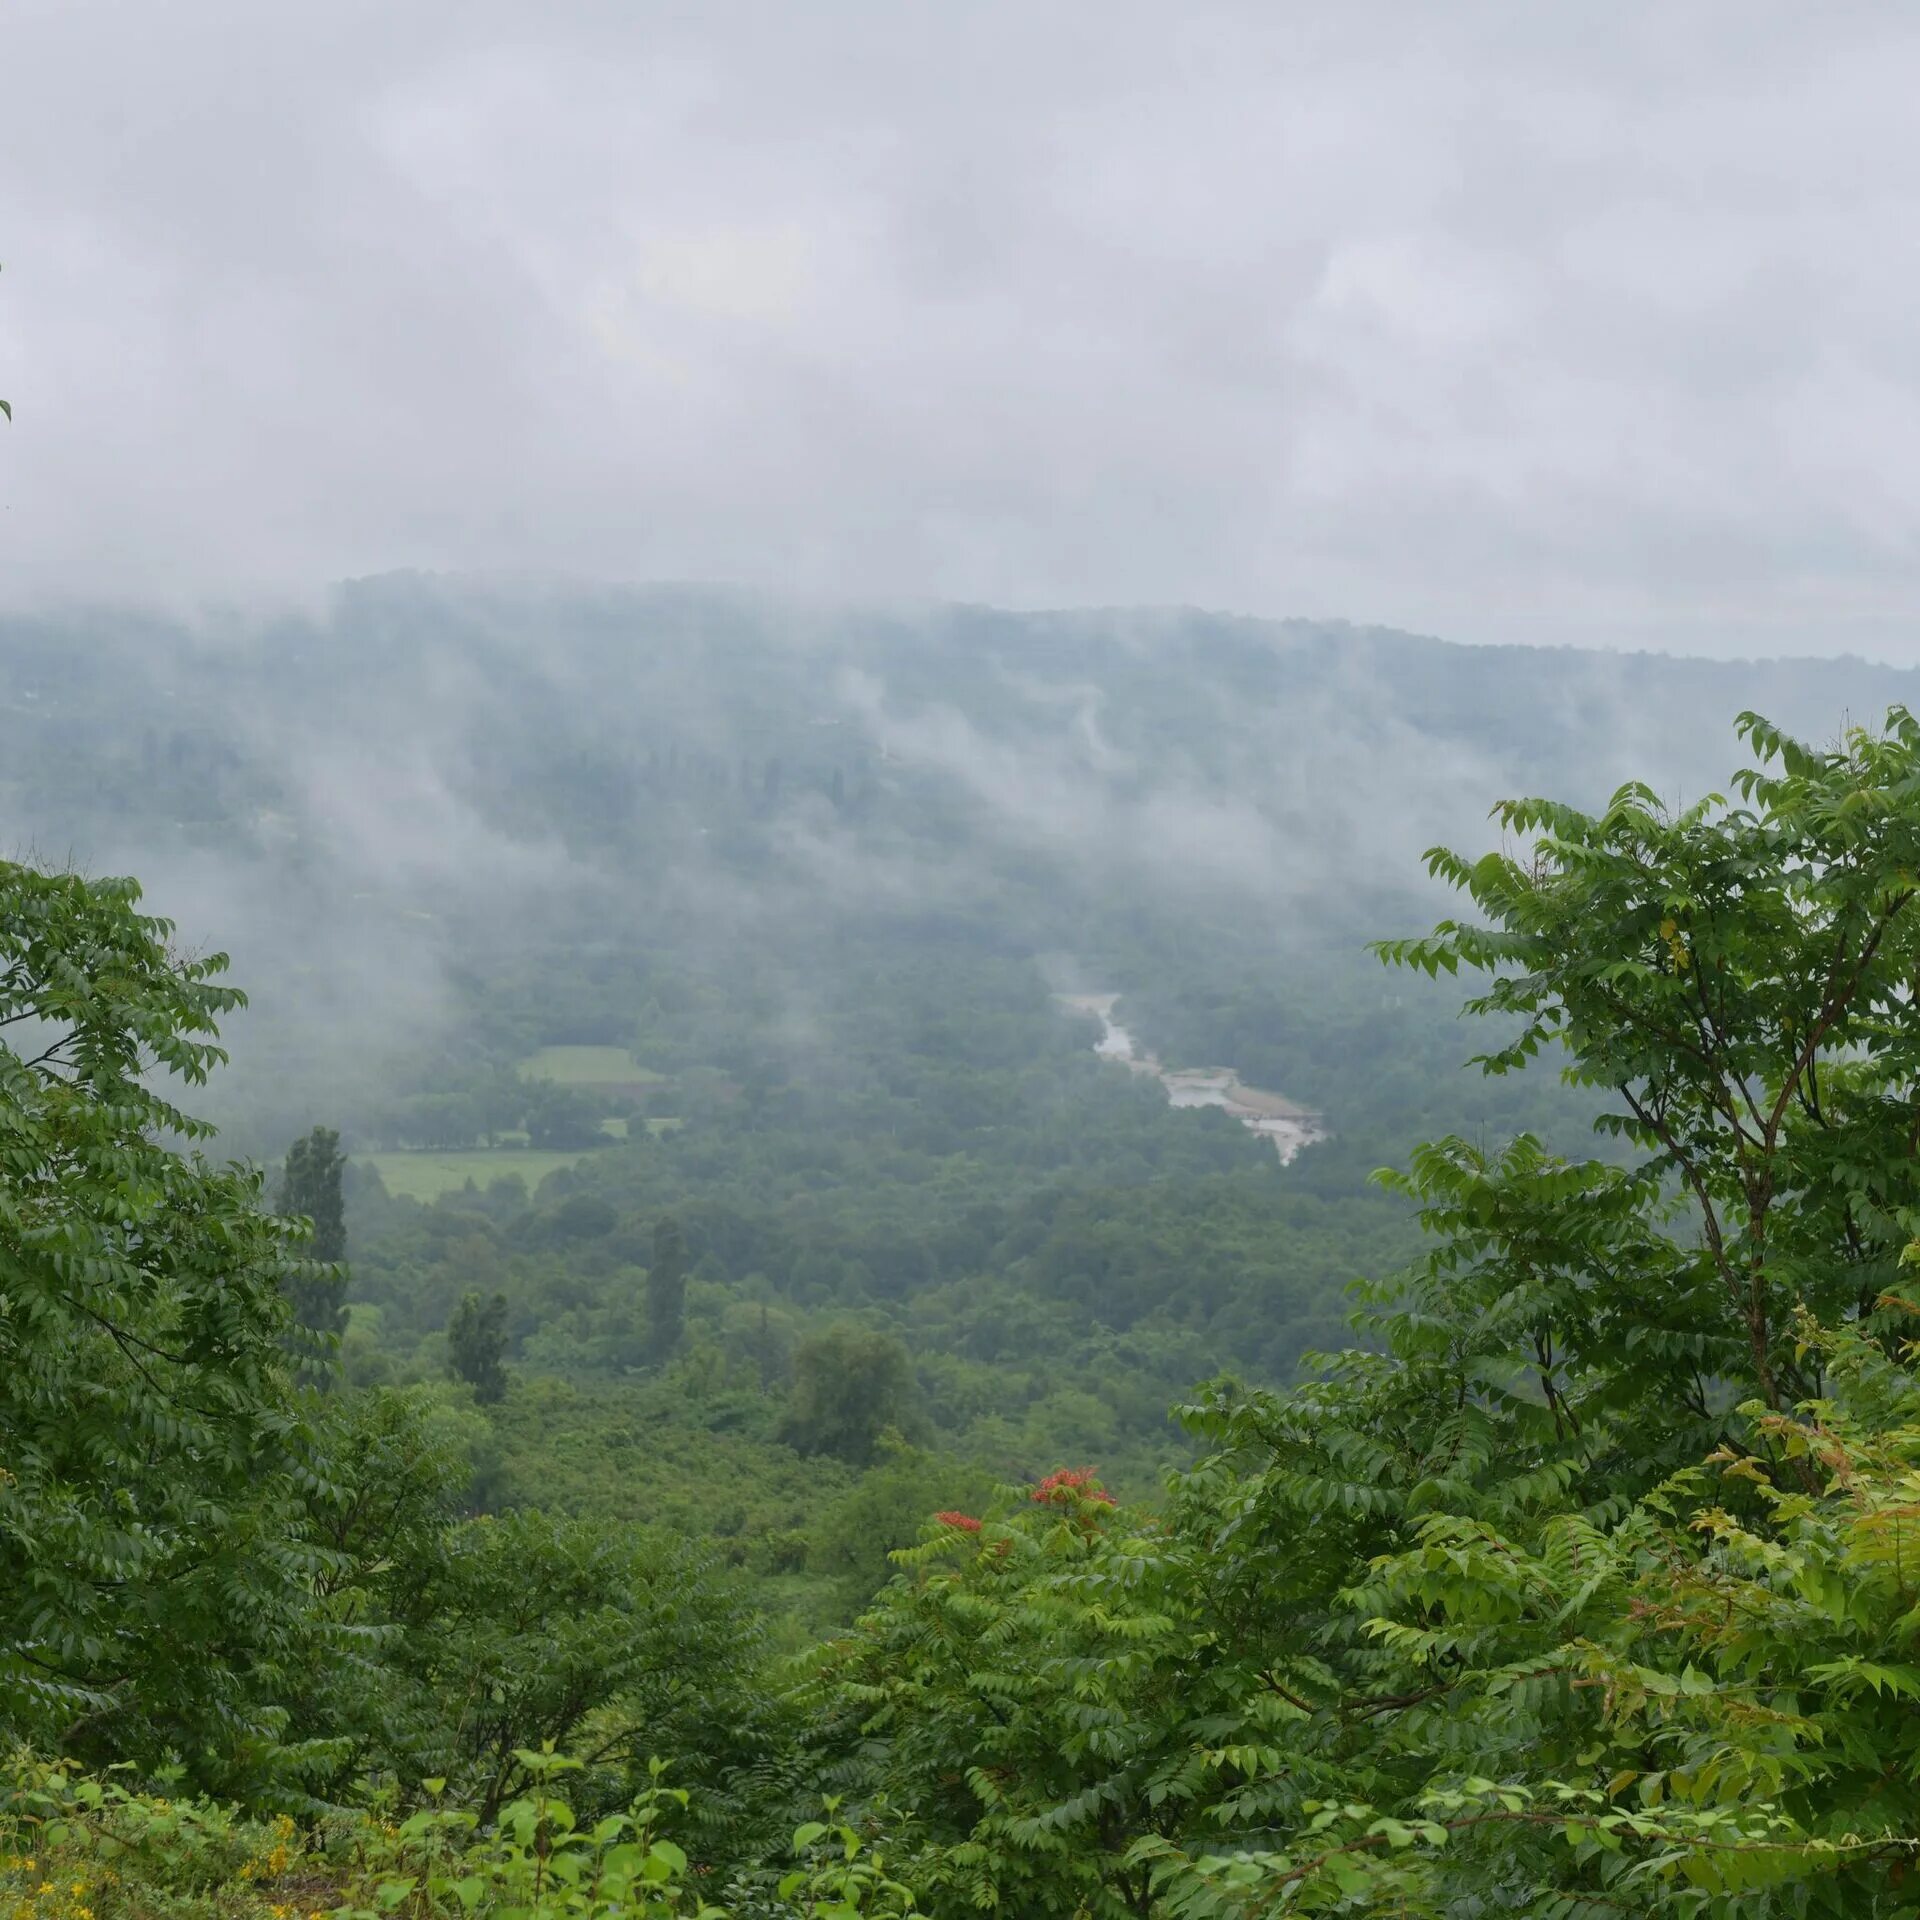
(1071, 1483)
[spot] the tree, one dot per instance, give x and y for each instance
(1030, 1692)
(560, 1117)
(1740, 980)
(154, 1579)
(853, 1537)
(849, 1388)
(666, 1296)
(534, 1629)
(1584, 1587)
(477, 1344)
(399, 1472)
(1505, 1596)
(310, 1191)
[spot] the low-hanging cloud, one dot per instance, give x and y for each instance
(1570, 324)
(1300, 794)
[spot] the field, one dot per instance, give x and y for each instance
(619, 1128)
(587, 1067)
(427, 1174)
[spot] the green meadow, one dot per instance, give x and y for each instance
(425, 1174)
(587, 1067)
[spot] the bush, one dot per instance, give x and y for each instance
(75, 1846)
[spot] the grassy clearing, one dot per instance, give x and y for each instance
(587, 1067)
(427, 1174)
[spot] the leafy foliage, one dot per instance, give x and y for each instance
(1583, 1585)
(153, 1462)
(81, 1847)
(1025, 1686)
(1462, 1624)
(849, 1388)
(526, 1630)
(1740, 980)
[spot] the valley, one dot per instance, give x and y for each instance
(821, 1153)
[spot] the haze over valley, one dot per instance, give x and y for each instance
(959, 963)
(800, 920)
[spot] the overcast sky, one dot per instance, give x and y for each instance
(1570, 323)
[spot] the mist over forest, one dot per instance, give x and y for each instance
(959, 963)
(386, 810)
(571, 906)
(766, 1082)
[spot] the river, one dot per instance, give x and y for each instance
(1271, 1115)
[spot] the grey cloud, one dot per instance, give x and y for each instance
(1263, 823)
(1570, 324)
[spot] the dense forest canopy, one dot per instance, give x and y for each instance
(743, 1123)
(768, 919)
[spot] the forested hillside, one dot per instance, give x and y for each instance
(699, 1285)
(581, 917)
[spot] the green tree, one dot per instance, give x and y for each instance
(556, 1117)
(154, 1580)
(477, 1345)
(400, 1470)
(1034, 1690)
(852, 1538)
(310, 1191)
(850, 1387)
(1739, 979)
(532, 1629)
(1463, 1623)
(666, 1295)
(1495, 1558)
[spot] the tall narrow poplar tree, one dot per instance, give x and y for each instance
(477, 1345)
(666, 1299)
(310, 1190)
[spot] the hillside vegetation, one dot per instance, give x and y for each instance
(775, 1516)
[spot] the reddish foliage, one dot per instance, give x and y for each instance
(964, 1521)
(1071, 1483)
